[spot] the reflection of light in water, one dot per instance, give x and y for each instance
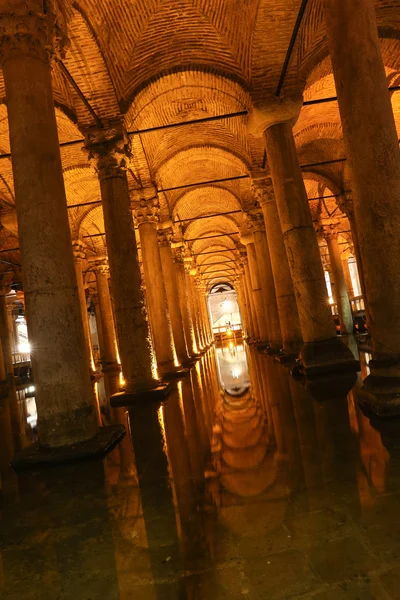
(232, 369)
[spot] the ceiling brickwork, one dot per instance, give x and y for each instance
(153, 63)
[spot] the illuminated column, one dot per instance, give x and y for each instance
(107, 338)
(322, 351)
(255, 283)
(365, 106)
(255, 333)
(63, 395)
(342, 298)
(199, 304)
(201, 290)
(242, 304)
(192, 305)
(347, 276)
(285, 297)
(9, 388)
(256, 223)
(171, 288)
(184, 302)
(345, 203)
(147, 217)
(79, 256)
(110, 150)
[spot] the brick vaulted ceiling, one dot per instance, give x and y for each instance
(157, 62)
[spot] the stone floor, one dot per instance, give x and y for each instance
(269, 493)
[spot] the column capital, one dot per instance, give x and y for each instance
(254, 219)
(263, 190)
(109, 149)
(101, 266)
(146, 211)
(345, 203)
(28, 28)
(78, 250)
(5, 283)
(165, 236)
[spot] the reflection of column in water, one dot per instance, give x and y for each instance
(202, 392)
(307, 434)
(194, 433)
(258, 378)
(150, 448)
(69, 504)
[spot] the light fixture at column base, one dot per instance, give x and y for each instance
(38, 457)
(380, 395)
(131, 398)
(327, 356)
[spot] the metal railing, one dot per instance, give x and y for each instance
(357, 304)
(21, 357)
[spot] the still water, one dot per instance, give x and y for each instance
(240, 485)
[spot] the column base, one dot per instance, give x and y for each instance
(261, 344)
(380, 392)
(331, 387)
(327, 356)
(36, 456)
(132, 398)
(176, 374)
(287, 358)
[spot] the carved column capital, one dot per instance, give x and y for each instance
(146, 211)
(78, 250)
(345, 203)
(263, 190)
(33, 28)
(255, 219)
(109, 149)
(101, 266)
(165, 236)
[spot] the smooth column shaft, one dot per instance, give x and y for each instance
(133, 332)
(157, 298)
(342, 298)
(171, 288)
(372, 148)
(63, 392)
(257, 291)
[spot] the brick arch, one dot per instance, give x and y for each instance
(205, 200)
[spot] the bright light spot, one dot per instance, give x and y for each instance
(122, 381)
(330, 300)
(226, 305)
(31, 388)
(24, 347)
(236, 372)
(229, 332)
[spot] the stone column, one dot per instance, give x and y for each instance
(200, 311)
(171, 288)
(66, 414)
(255, 333)
(110, 149)
(184, 302)
(322, 351)
(342, 298)
(347, 276)
(285, 297)
(364, 105)
(147, 217)
(192, 305)
(242, 305)
(107, 339)
(17, 422)
(255, 282)
(79, 257)
(256, 223)
(346, 205)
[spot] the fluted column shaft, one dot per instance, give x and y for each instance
(365, 106)
(146, 213)
(285, 297)
(171, 288)
(63, 395)
(111, 151)
(342, 298)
